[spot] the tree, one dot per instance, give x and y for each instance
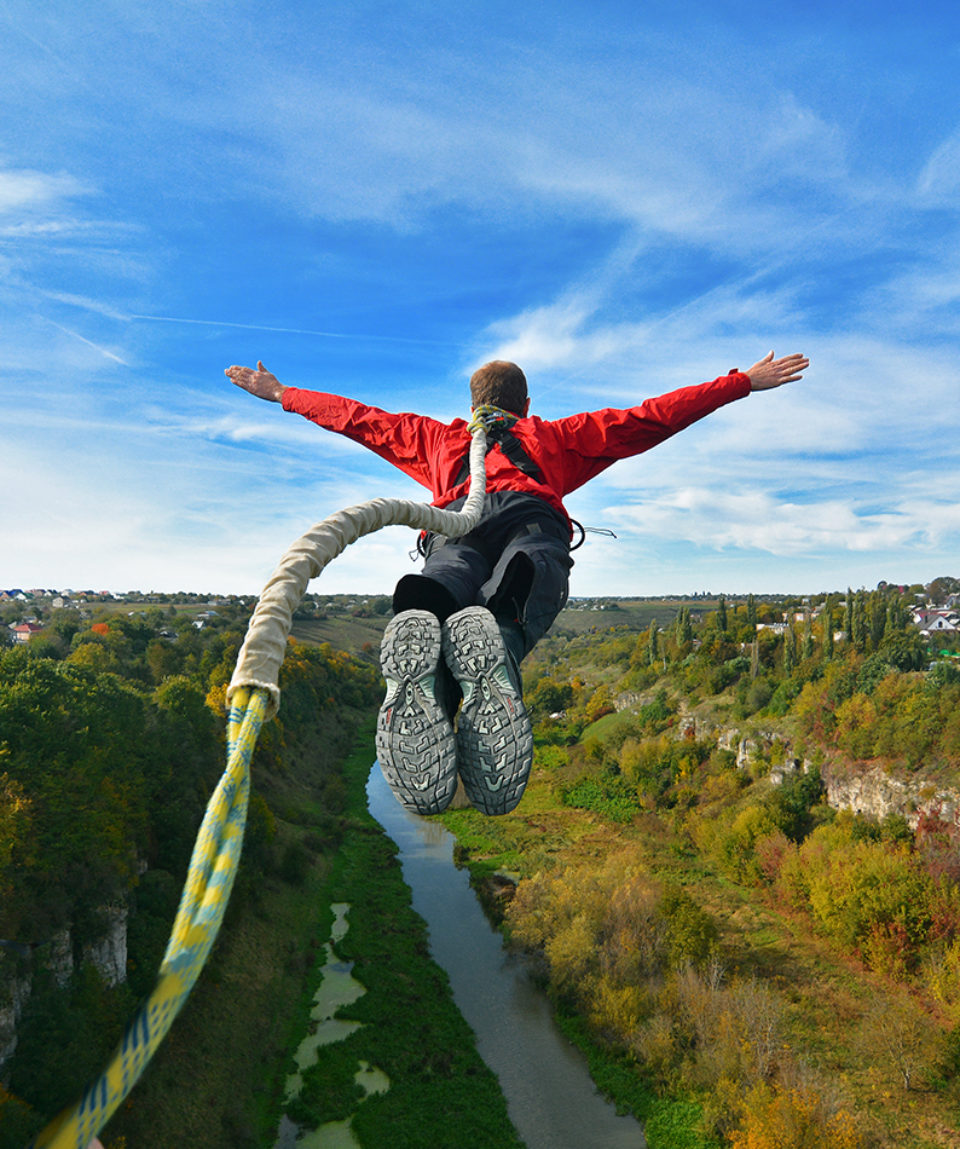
(789, 650)
(860, 621)
(877, 614)
(938, 590)
(826, 629)
(899, 1034)
(653, 643)
(774, 1117)
(807, 648)
(550, 696)
(722, 613)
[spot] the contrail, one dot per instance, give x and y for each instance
(89, 343)
(293, 330)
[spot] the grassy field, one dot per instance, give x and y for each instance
(442, 1095)
(343, 632)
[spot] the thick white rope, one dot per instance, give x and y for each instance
(265, 645)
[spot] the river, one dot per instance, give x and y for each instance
(552, 1100)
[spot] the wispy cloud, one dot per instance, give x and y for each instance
(939, 181)
(759, 521)
(24, 190)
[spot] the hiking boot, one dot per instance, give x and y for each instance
(494, 739)
(415, 741)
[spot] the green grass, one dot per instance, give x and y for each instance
(669, 1123)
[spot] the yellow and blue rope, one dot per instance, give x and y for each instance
(213, 867)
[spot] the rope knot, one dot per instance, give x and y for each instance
(488, 417)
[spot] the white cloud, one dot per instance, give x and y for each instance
(25, 190)
(758, 520)
(939, 180)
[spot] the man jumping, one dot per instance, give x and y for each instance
(462, 626)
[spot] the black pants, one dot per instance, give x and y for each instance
(516, 562)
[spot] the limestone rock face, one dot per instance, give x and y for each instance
(864, 788)
(870, 790)
(17, 992)
(108, 954)
(58, 957)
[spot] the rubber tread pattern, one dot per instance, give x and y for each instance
(415, 742)
(494, 738)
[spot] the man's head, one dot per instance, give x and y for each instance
(500, 384)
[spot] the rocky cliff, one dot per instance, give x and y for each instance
(108, 954)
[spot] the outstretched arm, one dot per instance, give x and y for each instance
(258, 382)
(770, 372)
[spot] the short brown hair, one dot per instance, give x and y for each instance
(500, 384)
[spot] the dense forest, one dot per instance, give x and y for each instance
(111, 740)
(702, 913)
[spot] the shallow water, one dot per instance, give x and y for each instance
(337, 988)
(552, 1100)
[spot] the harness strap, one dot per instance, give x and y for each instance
(511, 447)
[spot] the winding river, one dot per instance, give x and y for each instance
(552, 1100)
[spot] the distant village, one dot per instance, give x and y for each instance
(27, 609)
(31, 607)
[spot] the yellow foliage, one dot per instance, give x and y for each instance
(616, 1010)
(857, 726)
(942, 976)
(216, 699)
(571, 951)
(778, 1118)
(93, 656)
(14, 814)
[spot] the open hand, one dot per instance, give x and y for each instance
(770, 372)
(258, 382)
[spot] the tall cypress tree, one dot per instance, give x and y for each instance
(653, 642)
(826, 625)
(859, 624)
(684, 628)
(807, 634)
(789, 650)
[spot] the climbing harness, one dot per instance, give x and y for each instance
(254, 697)
(497, 423)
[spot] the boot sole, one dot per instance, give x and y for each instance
(415, 742)
(494, 738)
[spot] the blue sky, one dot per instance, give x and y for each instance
(375, 198)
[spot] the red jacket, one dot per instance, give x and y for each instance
(569, 451)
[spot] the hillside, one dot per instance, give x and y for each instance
(702, 909)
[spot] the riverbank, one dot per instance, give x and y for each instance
(522, 843)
